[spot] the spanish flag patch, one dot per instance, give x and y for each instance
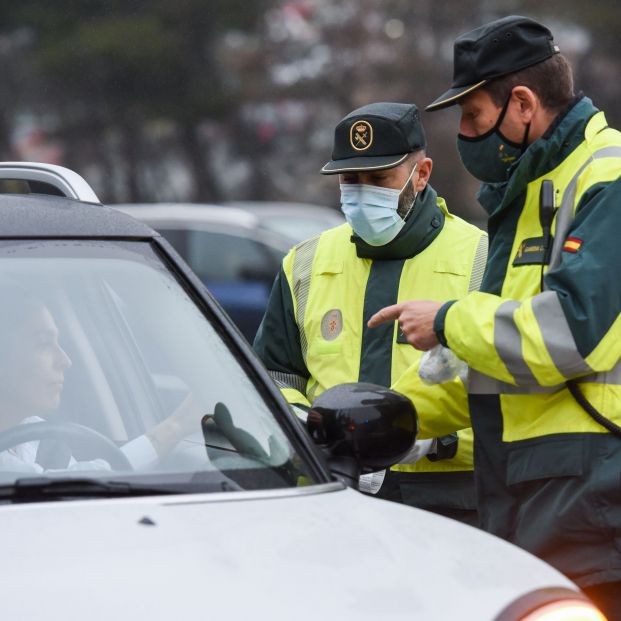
(572, 244)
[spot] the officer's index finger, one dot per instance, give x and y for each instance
(388, 313)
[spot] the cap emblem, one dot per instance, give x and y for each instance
(361, 135)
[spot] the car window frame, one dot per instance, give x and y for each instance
(248, 360)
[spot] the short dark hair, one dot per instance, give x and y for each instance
(551, 80)
(415, 156)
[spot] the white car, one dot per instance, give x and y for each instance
(150, 469)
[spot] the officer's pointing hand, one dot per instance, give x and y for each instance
(415, 320)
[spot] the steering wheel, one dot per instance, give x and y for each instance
(71, 433)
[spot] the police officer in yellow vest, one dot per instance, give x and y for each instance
(399, 242)
(543, 336)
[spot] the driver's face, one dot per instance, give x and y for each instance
(33, 377)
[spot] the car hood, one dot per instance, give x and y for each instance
(330, 555)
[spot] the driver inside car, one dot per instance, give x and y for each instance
(32, 375)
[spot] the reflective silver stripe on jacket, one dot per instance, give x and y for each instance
(478, 265)
(289, 380)
(565, 215)
(480, 384)
(302, 266)
(559, 343)
(612, 377)
(508, 343)
(557, 337)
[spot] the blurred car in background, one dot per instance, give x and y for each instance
(226, 247)
(236, 249)
(298, 221)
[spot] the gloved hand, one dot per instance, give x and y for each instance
(371, 483)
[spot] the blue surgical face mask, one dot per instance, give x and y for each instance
(489, 156)
(372, 211)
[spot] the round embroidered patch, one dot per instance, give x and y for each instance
(332, 324)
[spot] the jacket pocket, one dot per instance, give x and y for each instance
(322, 347)
(328, 265)
(451, 266)
(545, 458)
(557, 513)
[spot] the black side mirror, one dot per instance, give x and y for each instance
(363, 428)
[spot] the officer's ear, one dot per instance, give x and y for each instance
(527, 103)
(423, 172)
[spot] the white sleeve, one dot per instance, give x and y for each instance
(419, 450)
(76, 466)
(371, 483)
(140, 452)
(10, 461)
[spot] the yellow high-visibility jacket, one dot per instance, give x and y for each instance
(314, 334)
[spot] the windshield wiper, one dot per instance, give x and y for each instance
(34, 489)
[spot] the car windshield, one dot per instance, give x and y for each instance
(110, 371)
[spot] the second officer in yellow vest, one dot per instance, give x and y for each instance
(400, 242)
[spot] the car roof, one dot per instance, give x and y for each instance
(283, 208)
(190, 212)
(58, 180)
(44, 216)
(206, 217)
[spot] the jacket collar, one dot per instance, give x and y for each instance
(420, 229)
(546, 153)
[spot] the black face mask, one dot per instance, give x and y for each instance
(489, 156)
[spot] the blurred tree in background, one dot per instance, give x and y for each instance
(213, 100)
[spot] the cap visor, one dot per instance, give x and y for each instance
(452, 96)
(359, 164)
